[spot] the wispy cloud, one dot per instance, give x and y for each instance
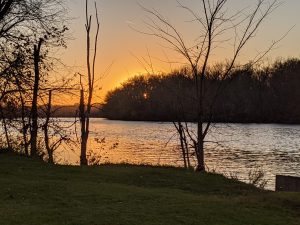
(129, 22)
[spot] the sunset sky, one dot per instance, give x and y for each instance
(120, 46)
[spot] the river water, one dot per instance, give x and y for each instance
(232, 149)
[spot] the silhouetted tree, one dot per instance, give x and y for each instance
(214, 25)
(34, 106)
(28, 30)
(85, 108)
(54, 134)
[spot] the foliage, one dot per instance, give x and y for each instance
(263, 95)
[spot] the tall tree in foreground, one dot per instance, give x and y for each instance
(34, 106)
(85, 107)
(216, 28)
(29, 31)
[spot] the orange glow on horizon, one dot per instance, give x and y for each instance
(122, 47)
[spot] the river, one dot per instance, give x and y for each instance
(232, 149)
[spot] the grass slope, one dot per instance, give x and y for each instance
(34, 193)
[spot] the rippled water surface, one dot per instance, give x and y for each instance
(233, 149)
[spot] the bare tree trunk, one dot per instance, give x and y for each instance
(5, 129)
(180, 131)
(200, 149)
(85, 110)
(25, 126)
(83, 159)
(200, 141)
(187, 151)
(53, 134)
(213, 23)
(199, 80)
(34, 108)
(46, 129)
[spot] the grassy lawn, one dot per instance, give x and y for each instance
(40, 194)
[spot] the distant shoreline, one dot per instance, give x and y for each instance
(170, 121)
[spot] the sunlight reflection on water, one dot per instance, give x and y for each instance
(241, 148)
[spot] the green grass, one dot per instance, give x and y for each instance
(35, 193)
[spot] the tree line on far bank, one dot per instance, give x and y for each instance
(249, 95)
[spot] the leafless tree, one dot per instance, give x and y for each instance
(34, 105)
(24, 22)
(54, 134)
(5, 128)
(25, 120)
(29, 30)
(5, 6)
(85, 108)
(216, 28)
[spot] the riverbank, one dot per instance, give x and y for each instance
(33, 192)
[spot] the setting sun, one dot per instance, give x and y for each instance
(149, 112)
